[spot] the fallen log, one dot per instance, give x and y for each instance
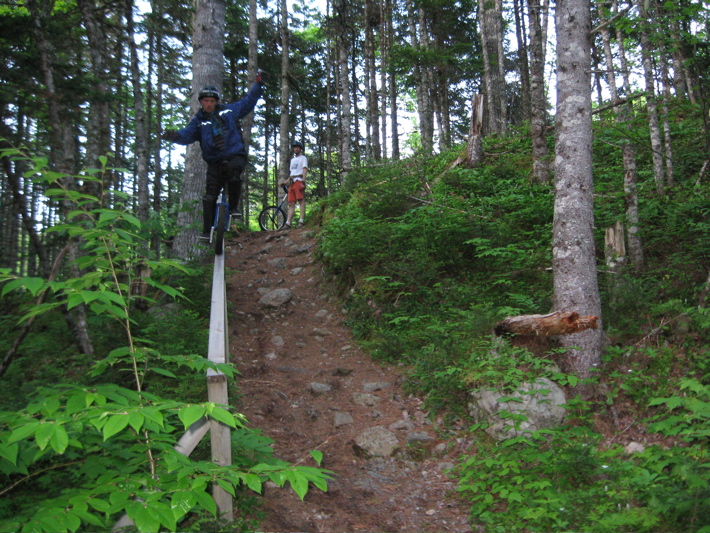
(557, 323)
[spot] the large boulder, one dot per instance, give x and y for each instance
(540, 403)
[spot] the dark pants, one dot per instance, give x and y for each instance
(218, 175)
(226, 172)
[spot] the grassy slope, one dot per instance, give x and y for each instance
(429, 257)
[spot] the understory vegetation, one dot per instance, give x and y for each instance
(429, 256)
(85, 441)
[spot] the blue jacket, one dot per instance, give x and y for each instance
(200, 128)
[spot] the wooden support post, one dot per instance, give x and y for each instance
(217, 392)
(192, 437)
(218, 350)
(221, 443)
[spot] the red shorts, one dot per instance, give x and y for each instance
(297, 191)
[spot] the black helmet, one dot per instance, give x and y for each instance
(296, 143)
(209, 91)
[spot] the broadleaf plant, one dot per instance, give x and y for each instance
(108, 450)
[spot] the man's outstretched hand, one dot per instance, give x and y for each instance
(261, 77)
(170, 135)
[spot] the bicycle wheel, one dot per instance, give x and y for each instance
(219, 228)
(272, 218)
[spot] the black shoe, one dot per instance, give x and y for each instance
(235, 212)
(205, 237)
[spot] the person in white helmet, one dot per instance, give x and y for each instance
(217, 128)
(297, 188)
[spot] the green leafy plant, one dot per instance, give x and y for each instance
(89, 454)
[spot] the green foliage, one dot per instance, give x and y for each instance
(80, 456)
(495, 363)
(471, 245)
(429, 257)
(563, 480)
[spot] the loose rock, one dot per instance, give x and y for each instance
(276, 298)
(376, 442)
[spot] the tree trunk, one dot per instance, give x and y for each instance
(284, 149)
(474, 148)
(665, 98)
(557, 323)
(574, 264)
(615, 257)
(523, 64)
(622, 117)
(651, 101)
(426, 112)
(98, 132)
(538, 102)
(329, 69)
(157, 93)
(248, 121)
(207, 59)
(490, 13)
(372, 21)
(385, 46)
(141, 147)
(417, 33)
(345, 105)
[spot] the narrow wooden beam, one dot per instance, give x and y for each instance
(217, 352)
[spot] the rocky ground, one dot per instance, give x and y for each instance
(306, 384)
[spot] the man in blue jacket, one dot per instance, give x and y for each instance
(217, 128)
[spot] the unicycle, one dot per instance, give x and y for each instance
(273, 217)
(222, 220)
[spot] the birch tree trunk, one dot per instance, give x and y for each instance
(665, 98)
(574, 264)
(207, 69)
(354, 73)
(622, 114)
(651, 101)
(635, 247)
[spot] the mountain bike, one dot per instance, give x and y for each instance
(274, 217)
(222, 219)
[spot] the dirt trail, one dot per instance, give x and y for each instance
(306, 384)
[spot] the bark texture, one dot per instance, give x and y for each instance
(557, 323)
(574, 265)
(207, 69)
